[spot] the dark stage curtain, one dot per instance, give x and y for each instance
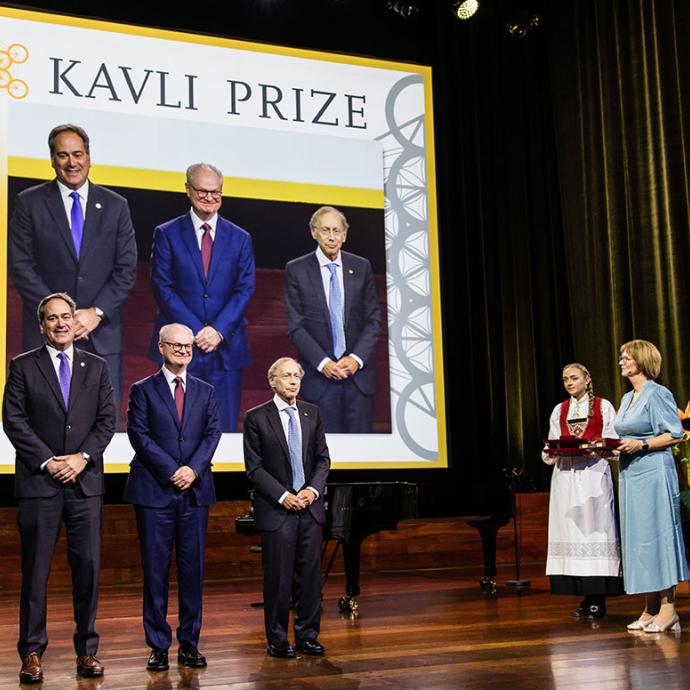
(621, 84)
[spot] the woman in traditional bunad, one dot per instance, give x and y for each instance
(654, 559)
(584, 552)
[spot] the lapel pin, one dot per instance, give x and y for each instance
(81, 364)
(305, 414)
(350, 271)
(98, 204)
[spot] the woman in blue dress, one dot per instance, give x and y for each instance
(654, 558)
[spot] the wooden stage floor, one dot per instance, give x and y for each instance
(417, 629)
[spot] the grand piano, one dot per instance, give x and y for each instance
(356, 510)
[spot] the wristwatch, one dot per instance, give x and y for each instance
(86, 456)
(645, 446)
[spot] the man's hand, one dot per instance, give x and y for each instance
(208, 339)
(293, 502)
(332, 371)
(307, 496)
(348, 365)
(85, 321)
(183, 478)
(66, 468)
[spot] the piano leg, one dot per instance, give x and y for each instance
(488, 531)
(351, 558)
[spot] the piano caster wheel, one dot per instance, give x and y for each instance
(348, 604)
(488, 585)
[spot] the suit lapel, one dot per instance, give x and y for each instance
(221, 243)
(190, 242)
(56, 208)
(349, 277)
(79, 367)
(273, 416)
(305, 424)
(163, 391)
(46, 368)
(314, 273)
(190, 397)
(95, 210)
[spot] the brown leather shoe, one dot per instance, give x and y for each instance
(31, 671)
(89, 667)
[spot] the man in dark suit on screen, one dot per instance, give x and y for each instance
(174, 428)
(287, 462)
(334, 322)
(202, 273)
(73, 236)
(58, 412)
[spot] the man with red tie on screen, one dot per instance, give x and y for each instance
(202, 274)
(174, 428)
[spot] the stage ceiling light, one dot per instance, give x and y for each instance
(403, 7)
(465, 9)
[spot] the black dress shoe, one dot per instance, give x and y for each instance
(188, 655)
(311, 647)
(282, 650)
(158, 660)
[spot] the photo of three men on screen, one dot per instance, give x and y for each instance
(275, 280)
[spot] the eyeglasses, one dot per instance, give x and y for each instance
(623, 359)
(325, 231)
(179, 348)
(215, 194)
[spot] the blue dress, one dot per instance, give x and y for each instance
(651, 537)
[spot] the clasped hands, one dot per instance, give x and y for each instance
(208, 339)
(85, 321)
(66, 468)
(303, 499)
(344, 368)
(183, 478)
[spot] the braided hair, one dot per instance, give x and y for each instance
(589, 388)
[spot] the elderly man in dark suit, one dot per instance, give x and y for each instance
(334, 322)
(287, 462)
(202, 273)
(174, 428)
(70, 235)
(58, 413)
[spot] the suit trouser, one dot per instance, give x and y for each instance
(39, 520)
(227, 385)
(183, 524)
(345, 409)
(292, 567)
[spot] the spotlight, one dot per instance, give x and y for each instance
(520, 26)
(464, 10)
(404, 8)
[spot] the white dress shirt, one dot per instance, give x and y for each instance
(324, 262)
(68, 202)
(198, 229)
(285, 421)
(170, 378)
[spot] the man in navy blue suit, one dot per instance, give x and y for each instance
(70, 235)
(174, 428)
(202, 271)
(334, 322)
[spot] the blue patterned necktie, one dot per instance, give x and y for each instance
(65, 377)
(335, 311)
(77, 222)
(295, 449)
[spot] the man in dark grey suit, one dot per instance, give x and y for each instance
(58, 413)
(334, 322)
(70, 235)
(287, 462)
